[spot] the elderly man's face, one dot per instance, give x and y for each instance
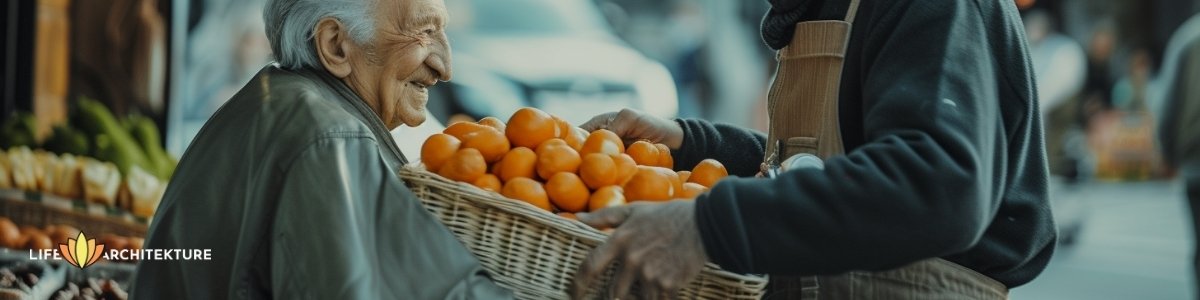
(410, 52)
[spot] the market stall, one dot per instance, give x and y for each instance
(96, 180)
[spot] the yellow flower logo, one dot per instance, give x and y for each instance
(81, 251)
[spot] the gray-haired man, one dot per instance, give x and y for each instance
(293, 184)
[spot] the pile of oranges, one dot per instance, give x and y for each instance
(543, 160)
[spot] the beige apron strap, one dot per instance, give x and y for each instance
(802, 104)
(853, 11)
(802, 107)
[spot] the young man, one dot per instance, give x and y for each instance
(940, 192)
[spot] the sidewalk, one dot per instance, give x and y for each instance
(1135, 244)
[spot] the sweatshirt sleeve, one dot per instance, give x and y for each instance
(740, 150)
(920, 187)
(348, 228)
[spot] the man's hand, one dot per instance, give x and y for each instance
(656, 244)
(633, 125)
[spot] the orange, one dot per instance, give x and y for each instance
(664, 156)
(598, 170)
(519, 162)
(61, 232)
(652, 184)
(137, 243)
(606, 197)
(437, 149)
(576, 138)
(676, 184)
(490, 142)
(527, 190)
(644, 153)
(456, 118)
(691, 190)
(465, 165)
(708, 172)
(567, 192)
(626, 167)
(493, 122)
(112, 241)
(529, 127)
(10, 234)
(36, 240)
(488, 182)
(683, 175)
(603, 141)
(461, 129)
(564, 128)
(555, 156)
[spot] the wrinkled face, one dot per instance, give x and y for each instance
(410, 52)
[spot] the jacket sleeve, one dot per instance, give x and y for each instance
(920, 187)
(740, 150)
(347, 228)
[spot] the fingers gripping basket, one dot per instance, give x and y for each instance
(535, 253)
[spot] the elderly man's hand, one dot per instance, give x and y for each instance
(633, 125)
(657, 245)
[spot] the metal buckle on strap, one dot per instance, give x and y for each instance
(773, 163)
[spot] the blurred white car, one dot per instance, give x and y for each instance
(410, 139)
(557, 55)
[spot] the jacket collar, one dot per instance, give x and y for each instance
(359, 106)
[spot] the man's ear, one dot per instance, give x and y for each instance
(333, 45)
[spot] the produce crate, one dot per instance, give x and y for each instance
(50, 277)
(535, 253)
(54, 275)
(39, 210)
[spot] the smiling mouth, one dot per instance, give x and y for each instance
(423, 85)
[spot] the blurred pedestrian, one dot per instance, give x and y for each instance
(1060, 66)
(1129, 93)
(1181, 117)
(1098, 87)
(1123, 136)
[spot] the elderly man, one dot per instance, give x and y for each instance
(292, 184)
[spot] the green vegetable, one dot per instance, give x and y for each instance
(19, 130)
(65, 139)
(146, 133)
(113, 143)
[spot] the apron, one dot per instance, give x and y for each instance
(802, 106)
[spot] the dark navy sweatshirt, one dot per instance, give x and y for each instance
(944, 158)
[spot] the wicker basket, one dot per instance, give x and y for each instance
(535, 253)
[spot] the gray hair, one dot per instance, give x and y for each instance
(290, 24)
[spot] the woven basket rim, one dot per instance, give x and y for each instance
(574, 228)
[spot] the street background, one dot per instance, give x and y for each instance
(1136, 245)
(1104, 72)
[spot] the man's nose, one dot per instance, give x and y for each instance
(439, 61)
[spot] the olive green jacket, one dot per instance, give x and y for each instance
(293, 186)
